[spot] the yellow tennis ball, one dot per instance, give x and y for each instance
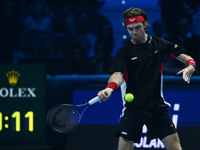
(129, 97)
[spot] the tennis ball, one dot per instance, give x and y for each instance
(129, 97)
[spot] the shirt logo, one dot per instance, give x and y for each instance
(133, 58)
(125, 133)
(155, 52)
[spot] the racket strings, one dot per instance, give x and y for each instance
(64, 118)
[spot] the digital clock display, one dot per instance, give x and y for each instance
(16, 121)
(22, 104)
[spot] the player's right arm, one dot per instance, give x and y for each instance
(114, 82)
(190, 67)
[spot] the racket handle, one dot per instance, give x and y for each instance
(94, 100)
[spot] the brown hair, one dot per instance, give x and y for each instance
(131, 12)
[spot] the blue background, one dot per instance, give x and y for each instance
(108, 113)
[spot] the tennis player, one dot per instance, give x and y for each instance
(137, 68)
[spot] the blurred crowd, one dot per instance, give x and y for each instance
(180, 24)
(70, 37)
(73, 37)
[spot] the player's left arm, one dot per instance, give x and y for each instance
(190, 67)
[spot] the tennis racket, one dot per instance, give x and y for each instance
(64, 118)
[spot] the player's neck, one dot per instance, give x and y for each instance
(141, 41)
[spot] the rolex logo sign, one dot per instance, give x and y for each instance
(24, 82)
(13, 77)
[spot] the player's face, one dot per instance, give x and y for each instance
(136, 31)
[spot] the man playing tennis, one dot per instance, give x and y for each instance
(137, 68)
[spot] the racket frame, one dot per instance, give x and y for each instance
(89, 103)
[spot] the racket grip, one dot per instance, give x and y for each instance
(94, 100)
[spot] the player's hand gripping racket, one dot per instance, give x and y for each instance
(64, 118)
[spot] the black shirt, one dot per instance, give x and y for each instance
(142, 65)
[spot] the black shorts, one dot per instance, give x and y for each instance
(158, 122)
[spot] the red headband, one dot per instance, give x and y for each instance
(134, 20)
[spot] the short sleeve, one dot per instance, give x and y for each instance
(172, 49)
(120, 60)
